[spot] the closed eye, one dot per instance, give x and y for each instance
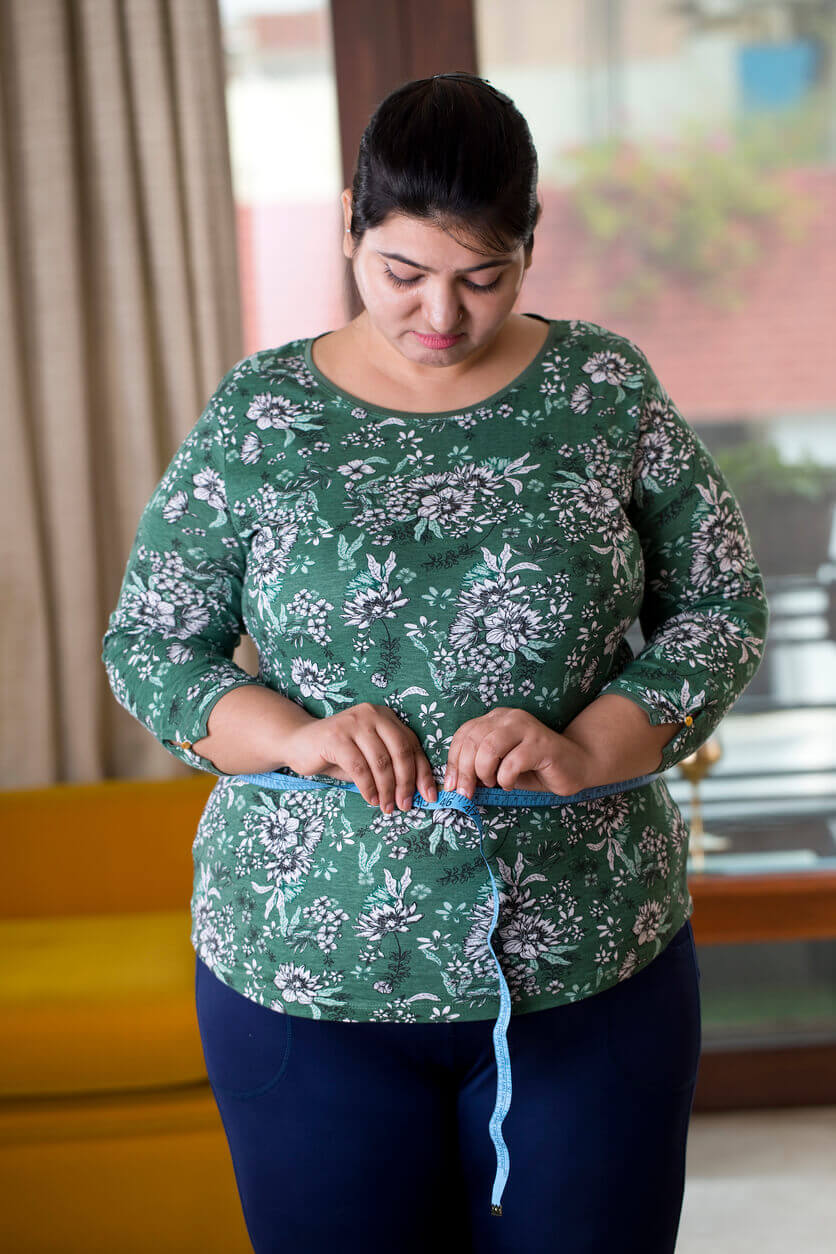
(475, 287)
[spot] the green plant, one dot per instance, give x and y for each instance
(756, 466)
(703, 212)
(789, 137)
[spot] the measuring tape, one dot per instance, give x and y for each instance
(469, 807)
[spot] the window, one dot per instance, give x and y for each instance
(284, 142)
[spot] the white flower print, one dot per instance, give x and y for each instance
(251, 448)
(608, 367)
(439, 568)
(176, 506)
(267, 410)
(209, 487)
(295, 983)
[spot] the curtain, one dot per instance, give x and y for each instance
(120, 308)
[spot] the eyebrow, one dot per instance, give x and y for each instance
(483, 265)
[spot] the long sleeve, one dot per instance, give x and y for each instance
(704, 615)
(169, 641)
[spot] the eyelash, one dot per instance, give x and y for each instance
(474, 287)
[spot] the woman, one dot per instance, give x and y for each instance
(437, 523)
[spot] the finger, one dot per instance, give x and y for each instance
(451, 767)
(509, 771)
(401, 749)
(465, 769)
(380, 763)
(426, 779)
(505, 762)
(424, 774)
(346, 754)
(454, 753)
(490, 754)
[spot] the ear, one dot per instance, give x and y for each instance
(347, 242)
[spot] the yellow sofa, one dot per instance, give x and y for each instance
(109, 1137)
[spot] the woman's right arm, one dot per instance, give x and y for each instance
(249, 729)
(169, 641)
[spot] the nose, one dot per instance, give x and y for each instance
(443, 313)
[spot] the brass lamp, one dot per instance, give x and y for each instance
(695, 768)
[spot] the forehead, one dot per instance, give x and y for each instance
(426, 242)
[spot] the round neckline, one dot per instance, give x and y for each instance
(437, 413)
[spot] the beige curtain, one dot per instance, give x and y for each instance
(120, 313)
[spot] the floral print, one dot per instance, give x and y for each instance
(440, 564)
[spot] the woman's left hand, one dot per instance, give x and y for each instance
(510, 748)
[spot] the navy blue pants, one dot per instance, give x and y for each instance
(370, 1138)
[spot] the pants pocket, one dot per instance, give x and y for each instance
(246, 1046)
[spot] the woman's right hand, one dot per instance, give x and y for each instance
(367, 745)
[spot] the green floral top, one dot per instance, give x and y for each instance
(442, 564)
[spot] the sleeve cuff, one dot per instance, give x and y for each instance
(680, 706)
(197, 703)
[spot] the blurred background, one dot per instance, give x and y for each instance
(170, 191)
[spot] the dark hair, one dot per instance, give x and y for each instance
(455, 151)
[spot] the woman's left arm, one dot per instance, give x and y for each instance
(704, 616)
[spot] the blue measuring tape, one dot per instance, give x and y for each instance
(469, 806)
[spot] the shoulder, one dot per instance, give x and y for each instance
(601, 339)
(608, 372)
(265, 365)
(260, 385)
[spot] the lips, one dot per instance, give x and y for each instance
(437, 341)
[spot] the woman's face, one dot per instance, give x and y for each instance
(427, 286)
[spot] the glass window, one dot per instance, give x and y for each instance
(287, 176)
(768, 995)
(687, 158)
